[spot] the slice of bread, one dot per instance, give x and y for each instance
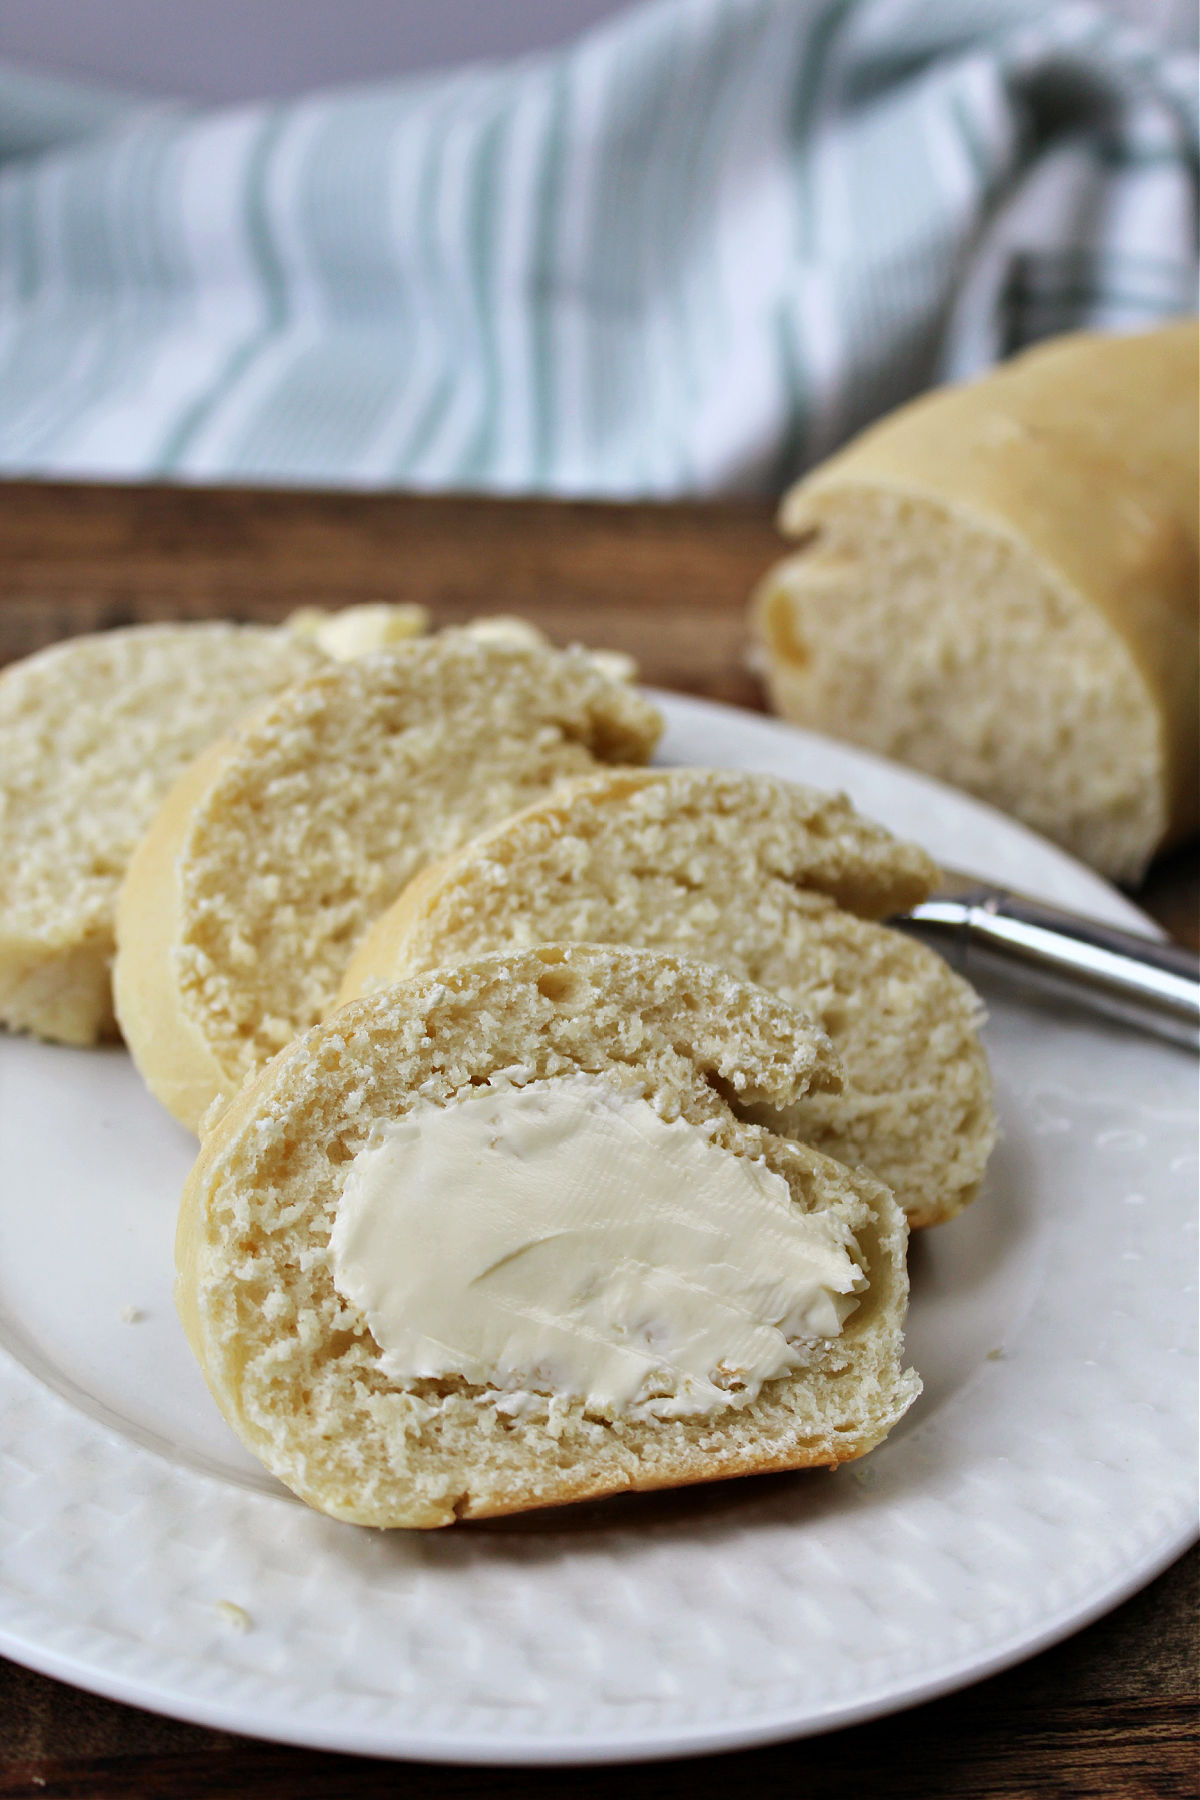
(998, 584)
(93, 732)
(292, 1361)
(752, 874)
(277, 850)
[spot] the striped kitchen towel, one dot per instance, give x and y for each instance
(688, 254)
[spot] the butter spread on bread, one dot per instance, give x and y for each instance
(583, 1248)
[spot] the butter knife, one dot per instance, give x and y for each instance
(1151, 986)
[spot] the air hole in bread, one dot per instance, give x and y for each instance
(835, 1019)
(560, 986)
(745, 1111)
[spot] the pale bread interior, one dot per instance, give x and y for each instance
(93, 732)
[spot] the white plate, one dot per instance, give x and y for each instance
(1047, 1471)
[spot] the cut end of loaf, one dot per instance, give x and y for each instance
(944, 644)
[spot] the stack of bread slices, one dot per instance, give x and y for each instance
(563, 1120)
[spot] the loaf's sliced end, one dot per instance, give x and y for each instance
(935, 639)
(294, 1365)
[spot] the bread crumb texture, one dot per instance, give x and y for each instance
(93, 732)
(293, 1364)
(754, 875)
(324, 805)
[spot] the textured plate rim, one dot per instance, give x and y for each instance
(280, 1724)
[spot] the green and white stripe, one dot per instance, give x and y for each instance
(688, 254)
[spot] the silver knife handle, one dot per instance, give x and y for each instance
(1152, 986)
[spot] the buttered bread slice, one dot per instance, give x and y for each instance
(763, 878)
(506, 1236)
(275, 852)
(93, 732)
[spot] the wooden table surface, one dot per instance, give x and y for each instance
(1111, 1712)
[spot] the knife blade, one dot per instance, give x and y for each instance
(1148, 985)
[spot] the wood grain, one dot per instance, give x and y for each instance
(1110, 1713)
(668, 584)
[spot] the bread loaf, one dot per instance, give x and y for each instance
(755, 875)
(998, 584)
(93, 732)
(278, 848)
(669, 1341)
